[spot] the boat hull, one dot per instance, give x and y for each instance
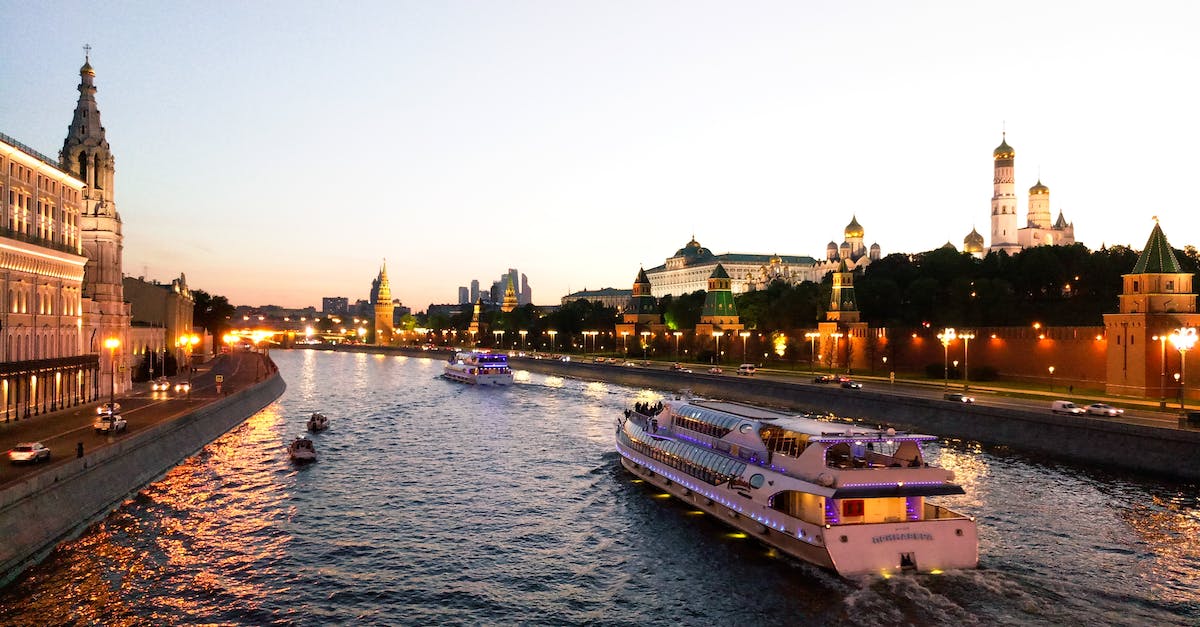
(478, 379)
(880, 548)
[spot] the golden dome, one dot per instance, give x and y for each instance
(973, 242)
(854, 229)
(1039, 188)
(1003, 151)
(87, 69)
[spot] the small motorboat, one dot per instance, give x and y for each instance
(317, 422)
(302, 450)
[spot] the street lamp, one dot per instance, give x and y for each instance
(717, 338)
(812, 353)
(499, 336)
(744, 335)
(1162, 375)
(523, 333)
(553, 341)
(625, 342)
(645, 343)
(677, 334)
(946, 336)
(836, 335)
(1051, 369)
(966, 337)
(1183, 339)
(111, 344)
(188, 343)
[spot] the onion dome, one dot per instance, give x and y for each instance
(775, 260)
(973, 242)
(875, 247)
(1039, 189)
(693, 249)
(948, 245)
(831, 246)
(1003, 151)
(854, 229)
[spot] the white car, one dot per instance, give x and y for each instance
(183, 387)
(1065, 407)
(715, 370)
(160, 384)
(108, 408)
(109, 423)
(1100, 409)
(29, 452)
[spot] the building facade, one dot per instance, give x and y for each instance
(1007, 235)
(381, 300)
(160, 314)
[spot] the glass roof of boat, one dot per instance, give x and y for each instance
(701, 456)
(710, 416)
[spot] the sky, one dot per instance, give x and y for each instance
(278, 152)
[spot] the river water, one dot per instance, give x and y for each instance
(439, 503)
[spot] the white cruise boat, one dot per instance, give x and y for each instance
(479, 368)
(839, 496)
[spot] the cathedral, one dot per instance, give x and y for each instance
(1007, 235)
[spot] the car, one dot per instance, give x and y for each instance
(160, 384)
(715, 370)
(958, 397)
(747, 369)
(183, 386)
(1065, 407)
(676, 366)
(108, 408)
(824, 378)
(851, 384)
(109, 423)
(29, 452)
(599, 360)
(1102, 409)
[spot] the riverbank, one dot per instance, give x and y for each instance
(1092, 441)
(54, 505)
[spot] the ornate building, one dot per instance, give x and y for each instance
(641, 313)
(690, 267)
(65, 323)
(1156, 299)
(1038, 229)
(381, 299)
(510, 297)
(720, 311)
(160, 314)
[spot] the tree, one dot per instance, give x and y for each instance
(212, 313)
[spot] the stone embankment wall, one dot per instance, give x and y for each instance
(1086, 440)
(54, 505)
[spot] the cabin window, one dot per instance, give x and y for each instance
(756, 481)
(853, 508)
(1135, 286)
(1170, 286)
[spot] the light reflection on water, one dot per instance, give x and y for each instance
(440, 503)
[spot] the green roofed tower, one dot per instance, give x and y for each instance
(1157, 283)
(642, 307)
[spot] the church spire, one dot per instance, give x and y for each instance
(86, 153)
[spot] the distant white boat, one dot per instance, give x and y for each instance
(302, 450)
(479, 368)
(317, 422)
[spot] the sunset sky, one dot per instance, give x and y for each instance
(277, 152)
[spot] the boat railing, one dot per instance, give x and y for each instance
(934, 512)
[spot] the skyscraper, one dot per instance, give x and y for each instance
(464, 296)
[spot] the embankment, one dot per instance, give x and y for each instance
(54, 505)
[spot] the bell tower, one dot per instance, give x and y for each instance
(384, 308)
(1004, 199)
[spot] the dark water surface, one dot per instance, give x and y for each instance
(435, 503)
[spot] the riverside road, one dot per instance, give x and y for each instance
(64, 430)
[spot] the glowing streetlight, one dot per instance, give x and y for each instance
(717, 339)
(1183, 339)
(744, 335)
(625, 343)
(812, 353)
(111, 344)
(1051, 369)
(523, 333)
(645, 342)
(946, 336)
(677, 334)
(553, 341)
(188, 344)
(966, 337)
(836, 335)
(499, 336)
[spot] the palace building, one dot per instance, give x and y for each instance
(689, 269)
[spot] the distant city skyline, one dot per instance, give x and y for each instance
(580, 141)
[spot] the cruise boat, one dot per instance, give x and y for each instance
(845, 498)
(479, 368)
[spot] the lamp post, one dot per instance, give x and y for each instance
(645, 343)
(523, 333)
(717, 339)
(499, 337)
(812, 353)
(188, 343)
(553, 340)
(1162, 375)
(1051, 369)
(836, 335)
(677, 334)
(966, 336)
(1183, 339)
(946, 336)
(745, 335)
(111, 344)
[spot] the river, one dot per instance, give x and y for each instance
(439, 503)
